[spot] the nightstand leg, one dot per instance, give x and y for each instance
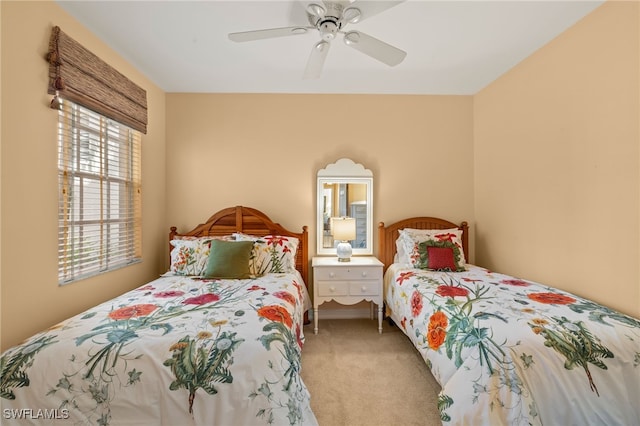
(380, 318)
(315, 320)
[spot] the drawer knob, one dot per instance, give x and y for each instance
(364, 273)
(331, 274)
(332, 289)
(364, 288)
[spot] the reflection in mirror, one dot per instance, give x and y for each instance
(344, 200)
(345, 189)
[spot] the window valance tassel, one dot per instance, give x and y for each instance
(59, 83)
(55, 102)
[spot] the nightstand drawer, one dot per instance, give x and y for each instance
(332, 288)
(347, 273)
(364, 288)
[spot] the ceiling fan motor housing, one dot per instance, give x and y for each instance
(326, 19)
(328, 28)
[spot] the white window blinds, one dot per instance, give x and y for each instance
(99, 194)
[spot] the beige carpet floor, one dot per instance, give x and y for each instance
(357, 376)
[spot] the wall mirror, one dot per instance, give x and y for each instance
(345, 189)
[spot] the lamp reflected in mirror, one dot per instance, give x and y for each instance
(344, 231)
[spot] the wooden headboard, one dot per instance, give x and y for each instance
(387, 235)
(253, 222)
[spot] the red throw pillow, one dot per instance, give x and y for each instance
(441, 258)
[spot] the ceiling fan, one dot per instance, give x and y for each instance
(330, 19)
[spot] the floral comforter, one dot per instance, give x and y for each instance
(177, 351)
(510, 351)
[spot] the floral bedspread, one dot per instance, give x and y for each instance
(177, 351)
(511, 351)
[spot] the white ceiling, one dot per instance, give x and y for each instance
(453, 47)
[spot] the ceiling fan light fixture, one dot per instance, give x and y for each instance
(351, 15)
(316, 10)
(321, 46)
(351, 38)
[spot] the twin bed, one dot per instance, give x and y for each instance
(506, 351)
(214, 341)
(186, 348)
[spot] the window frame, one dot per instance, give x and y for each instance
(100, 194)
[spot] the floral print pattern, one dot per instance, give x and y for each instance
(271, 253)
(189, 257)
(437, 330)
(198, 343)
(133, 311)
(510, 351)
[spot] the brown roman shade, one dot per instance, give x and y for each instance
(79, 76)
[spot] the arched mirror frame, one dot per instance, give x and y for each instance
(344, 171)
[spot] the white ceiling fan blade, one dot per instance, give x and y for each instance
(369, 8)
(268, 33)
(375, 48)
(316, 60)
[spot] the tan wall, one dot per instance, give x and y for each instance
(536, 160)
(557, 158)
(264, 151)
(31, 298)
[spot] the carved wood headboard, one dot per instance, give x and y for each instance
(387, 235)
(249, 221)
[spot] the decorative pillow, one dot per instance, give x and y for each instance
(271, 253)
(439, 256)
(408, 240)
(229, 259)
(189, 255)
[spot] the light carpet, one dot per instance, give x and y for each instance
(357, 376)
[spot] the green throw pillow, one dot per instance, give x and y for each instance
(229, 259)
(445, 257)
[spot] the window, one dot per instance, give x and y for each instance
(99, 217)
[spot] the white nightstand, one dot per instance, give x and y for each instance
(347, 283)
